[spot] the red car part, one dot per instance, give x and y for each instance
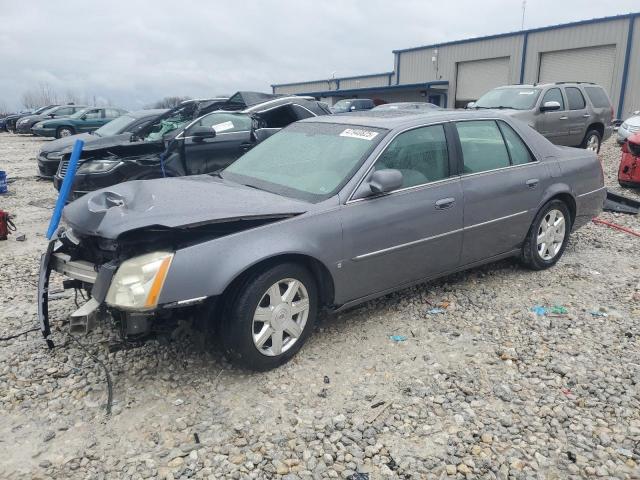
(629, 171)
(6, 225)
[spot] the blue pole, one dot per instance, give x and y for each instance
(67, 183)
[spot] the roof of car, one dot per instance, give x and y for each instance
(391, 119)
(151, 112)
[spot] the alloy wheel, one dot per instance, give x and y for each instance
(593, 143)
(280, 317)
(65, 132)
(551, 233)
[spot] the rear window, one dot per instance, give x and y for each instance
(598, 97)
(575, 98)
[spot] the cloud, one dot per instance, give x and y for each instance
(134, 52)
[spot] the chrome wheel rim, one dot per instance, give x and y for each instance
(65, 132)
(592, 143)
(551, 234)
(280, 317)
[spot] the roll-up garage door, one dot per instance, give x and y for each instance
(592, 64)
(477, 77)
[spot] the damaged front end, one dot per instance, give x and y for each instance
(123, 284)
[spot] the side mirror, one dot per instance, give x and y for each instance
(385, 181)
(550, 106)
(471, 105)
(52, 115)
(199, 134)
(83, 117)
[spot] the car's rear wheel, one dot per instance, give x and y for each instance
(269, 316)
(64, 132)
(548, 236)
(592, 141)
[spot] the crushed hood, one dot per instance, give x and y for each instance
(173, 203)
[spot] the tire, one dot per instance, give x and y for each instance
(65, 132)
(532, 256)
(254, 344)
(592, 141)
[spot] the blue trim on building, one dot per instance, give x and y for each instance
(512, 34)
(352, 91)
(398, 70)
(525, 40)
(625, 69)
(369, 75)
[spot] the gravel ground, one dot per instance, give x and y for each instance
(487, 389)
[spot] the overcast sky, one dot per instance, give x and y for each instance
(134, 52)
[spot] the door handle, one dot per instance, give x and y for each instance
(586, 115)
(563, 118)
(532, 182)
(445, 203)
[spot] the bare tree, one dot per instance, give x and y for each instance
(43, 94)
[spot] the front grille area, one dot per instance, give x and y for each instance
(62, 169)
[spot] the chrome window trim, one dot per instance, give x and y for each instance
(458, 176)
(433, 237)
(408, 189)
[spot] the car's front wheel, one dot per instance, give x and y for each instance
(548, 236)
(64, 132)
(269, 316)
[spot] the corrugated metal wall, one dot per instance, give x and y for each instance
(418, 65)
(594, 34)
(305, 87)
(364, 82)
(632, 96)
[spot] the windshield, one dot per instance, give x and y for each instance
(306, 161)
(43, 109)
(515, 98)
(80, 113)
(341, 106)
(115, 126)
(178, 118)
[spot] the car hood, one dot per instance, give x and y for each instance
(93, 142)
(60, 144)
(181, 202)
(635, 121)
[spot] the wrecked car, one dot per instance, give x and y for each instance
(130, 123)
(330, 212)
(205, 145)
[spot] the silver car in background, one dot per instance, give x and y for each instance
(328, 213)
(575, 114)
(630, 126)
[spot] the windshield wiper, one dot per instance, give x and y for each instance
(497, 107)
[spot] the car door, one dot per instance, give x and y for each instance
(233, 138)
(578, 116)
(411, 233)
(555, 123)
(91, 120)
(502, 184)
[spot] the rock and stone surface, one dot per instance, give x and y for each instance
(485, 390)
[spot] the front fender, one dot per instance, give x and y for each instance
(208, 268)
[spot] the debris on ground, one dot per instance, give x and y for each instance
(436, 311)
(398, 338)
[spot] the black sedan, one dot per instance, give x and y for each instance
(122, 127)
(205, 145)
(11, 120)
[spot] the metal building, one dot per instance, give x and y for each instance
(603, 50)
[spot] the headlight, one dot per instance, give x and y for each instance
(38, 125)
(138, 281)
(54, 155)
(98, 166)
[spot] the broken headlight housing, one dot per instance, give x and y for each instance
(138, 281)
(98, 166)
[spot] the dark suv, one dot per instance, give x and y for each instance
(353, 105)
(575, 114)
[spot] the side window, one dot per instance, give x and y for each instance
(482, 146)
(598, 97)
(301, 112)
(420, 154)
(226, 122)
(575, 98)
(518, 151)
(553, 95)
(112, 113)
(93, 114)
(64, 111)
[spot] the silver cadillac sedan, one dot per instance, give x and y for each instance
(328, 213)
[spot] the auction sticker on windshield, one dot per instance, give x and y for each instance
(359, 133)
(526, 92)
(221, 127)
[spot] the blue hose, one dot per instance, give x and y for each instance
(67, 184)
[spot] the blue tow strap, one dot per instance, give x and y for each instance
(67, 184)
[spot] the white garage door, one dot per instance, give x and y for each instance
(476, 78)
(593, 64)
